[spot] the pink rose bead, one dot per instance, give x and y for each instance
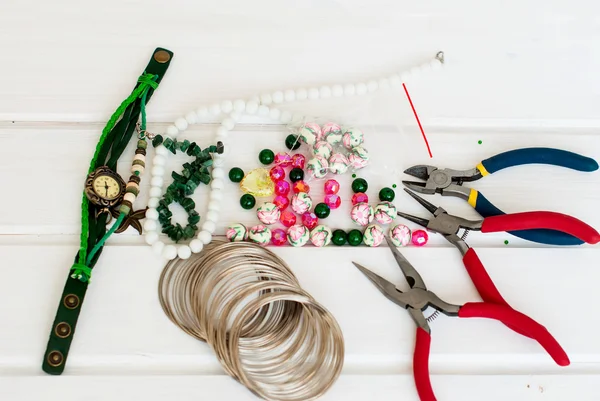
(419, 237)
(360, 197)
(331, 187)
(283, 159)
(282, 188)
(310, 220)
(333, 201)
(287, 218)
(282, 202)
(298, 161)
(277, 173)
(278, 237)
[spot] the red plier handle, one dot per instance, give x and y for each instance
(502, 313)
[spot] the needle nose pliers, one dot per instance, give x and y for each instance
(448, 182)
(418, 298)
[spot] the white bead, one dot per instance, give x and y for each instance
(384, 83)
(226, 106)
(202, 112)
(161, 150)
(153, 202)
(155, 192)
(301, 94)
(205, 237)
(158, 247)
(130, 197)
(184, 252)
(415, 72)
(158, 170)
(151, 236)
(361, 88)
(157, 181)
(209, 226)
(285, 117)
(222, 131)
(251, 107)
(372, 86)
(266, 99)
(196, 245)
(216, 195)
(215, 109)
(228, 123)
(337, 90)
(435, 64)
(395, 80)
(313, 93)
(219, 160)
(191, 118)
(150, 226)
(217, 183)
(172, 131)
(325, 92)
(274, 114)
(218, 172)
(277, 97)
(214, 205)
(181, 124)
(289, 95)
(255, 99)
(152, 213)
(212, 215)
(349, 89)
(263, 110)
(239, 105)
(159, 160)
(169, 252)
(425, 68)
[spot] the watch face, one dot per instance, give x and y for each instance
(106, 187)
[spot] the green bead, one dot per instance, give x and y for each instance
(355, 237)
(266, 156)
(292, 142)
(387, 194)
(158, 139)
(322, 210)
(236, 174)
(247, 201)
(360, 185)
(339, 237)
(142, 144)
(296, 174)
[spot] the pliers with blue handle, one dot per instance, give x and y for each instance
(449, 182)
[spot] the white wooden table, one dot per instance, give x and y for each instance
(517, 74)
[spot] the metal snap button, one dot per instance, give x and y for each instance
(71, 301)
(55, 358)
(63, 330)
(162, 56)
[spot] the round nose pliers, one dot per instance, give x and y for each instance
(449, 182)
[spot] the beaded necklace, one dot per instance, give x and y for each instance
(265, 106)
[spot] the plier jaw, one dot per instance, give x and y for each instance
(447, 182)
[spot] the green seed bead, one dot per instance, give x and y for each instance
(292, 142)
(355, 237)
(236, 174)
(360, 185)
(387, 194)
(247, 201)
(322, 210)
(339, 237)
(296, 174)
(266, 156)
(142, 144)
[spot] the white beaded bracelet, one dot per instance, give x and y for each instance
(233, 111)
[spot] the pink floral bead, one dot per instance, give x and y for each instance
(362, 214)
(373, 235)
(298, 235)
(320, 236)
(301, 202)
(268, 213)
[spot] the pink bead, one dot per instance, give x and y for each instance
(278, 237)
(301, 186)
(310, 220)
(287, 218)
(282, 187)
(298, 160)
(331, 187)
(283, 159)
(419, 237)
(333, 201)
(277, 173)
(282, 202)
(360, 197)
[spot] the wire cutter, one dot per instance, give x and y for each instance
(418, 298)
(449, 182)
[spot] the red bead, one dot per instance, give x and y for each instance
(310, 220)
(298, 160)
(282, 187)
(277, 173)
(333, 201)
(331, 187)
(300, 186)
(282, 202)
(419, 237)
(287, 218)
(283, 159)
(278, 237)
(360, 197)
